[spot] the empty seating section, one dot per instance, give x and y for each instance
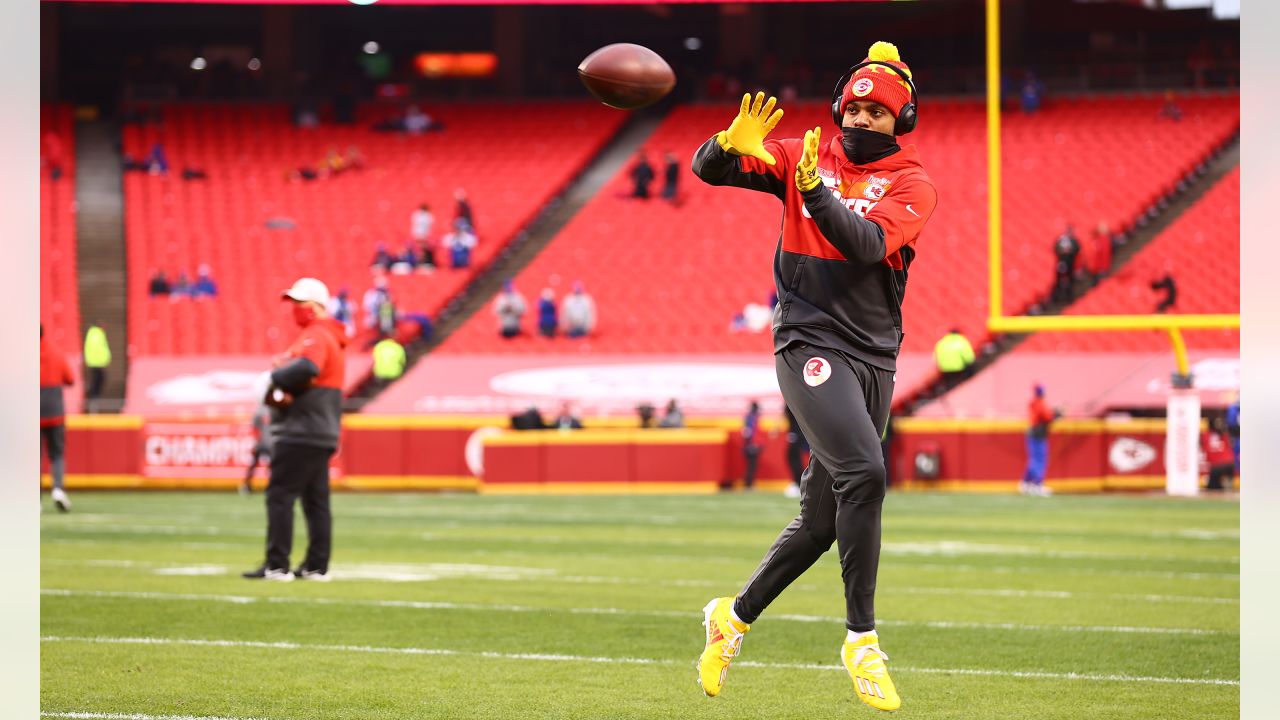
(59, 292)
(1201, 250)
(327, 228)
(670, 278)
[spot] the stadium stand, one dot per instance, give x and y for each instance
(1201, 250)
(246, 151)
(59, 292)
(649, 263)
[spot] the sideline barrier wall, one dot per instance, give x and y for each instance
(431, 453)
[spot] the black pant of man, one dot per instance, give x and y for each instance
(751, 455)
(842, 491)
(299, 471)
(97, 378)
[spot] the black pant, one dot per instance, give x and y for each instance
(842, 490)
(97, 376)
(1220, 473)
(55, 441)
(751, 454)
(795, 459)
(299, 471)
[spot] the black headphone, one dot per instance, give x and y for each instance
(906, 121)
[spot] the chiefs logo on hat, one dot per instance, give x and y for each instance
(863, 87)
(816, 371)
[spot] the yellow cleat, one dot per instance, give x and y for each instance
(866, 665)
(724, 640)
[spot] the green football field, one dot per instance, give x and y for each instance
(463, 606)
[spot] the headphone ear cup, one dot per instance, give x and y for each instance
(835, 113)
(906, 120)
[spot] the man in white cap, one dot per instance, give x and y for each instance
(306, 389)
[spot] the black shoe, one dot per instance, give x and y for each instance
(266, 573)
(303, 573)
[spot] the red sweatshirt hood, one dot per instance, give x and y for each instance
(334, 328)
(907, 157)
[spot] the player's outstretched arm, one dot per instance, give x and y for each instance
(740, 156)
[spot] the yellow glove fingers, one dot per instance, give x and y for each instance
(746, 105)
(773, 121)
(755, 107)
(768, 107)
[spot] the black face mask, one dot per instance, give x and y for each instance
(866, 146)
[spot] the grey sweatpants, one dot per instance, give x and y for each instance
(842, 405)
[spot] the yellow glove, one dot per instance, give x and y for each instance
(746, 135)
(807, 169)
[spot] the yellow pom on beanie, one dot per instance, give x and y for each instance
(886, 52)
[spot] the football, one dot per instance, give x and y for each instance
(626, 76)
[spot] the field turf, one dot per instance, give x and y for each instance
(462, 606)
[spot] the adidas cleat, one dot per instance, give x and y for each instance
(866, 665)
(724, 640)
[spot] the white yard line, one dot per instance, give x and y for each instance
(551, 657)
(423, 605)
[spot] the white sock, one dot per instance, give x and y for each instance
(854, 636)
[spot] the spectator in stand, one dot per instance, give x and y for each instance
(645, 412)
(641, 176)
(1066, 249)
(373, 299)
(1031, 93)
(567, 420)
(181, 287)
(53, 155)
(382, 259)
(672, 417)
(1216, 443)
(578, 312)
(55, 374)
(159, 285)
(752, 442)
(530, 419)
(334, 163)
(407, 261)
(341, 310)
(388, 318)
(157, 161)
(460, 243)
(427, 255)
(797, 446)
(420, 223)
(97, 358)
(417, 122)
(462, 208)
(670, 177)
(353, 159)
(510, 308)
(388, 361)
(547, 322)
(1099, 264)
(954, 357)
(204, 285)
(1038, 445)
(1170, 288)
(1170, 110)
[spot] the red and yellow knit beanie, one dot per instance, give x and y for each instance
(878, 83)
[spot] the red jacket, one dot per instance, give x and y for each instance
(312, 371)
(55, 374)
(840, 278)
(1217, 448)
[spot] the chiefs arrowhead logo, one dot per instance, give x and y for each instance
(816, 371)
(863, 87)
(1130, 455)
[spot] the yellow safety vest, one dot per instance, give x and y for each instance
(953, 353)
(97, 353)
(388, 360)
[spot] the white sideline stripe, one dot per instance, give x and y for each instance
(130, 716)
(423, 605)
(552, 657)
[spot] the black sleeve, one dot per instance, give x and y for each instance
(714, 166)
(296, 376)
(858, 239)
